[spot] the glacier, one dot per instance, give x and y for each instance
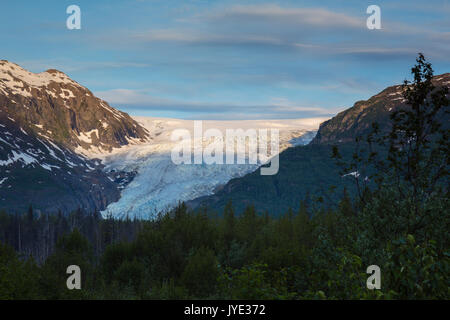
(160, 184)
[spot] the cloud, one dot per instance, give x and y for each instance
(310, 31)
(264, 24)
(379, 54)
(279, 108)
(196, 37)
(269, 13)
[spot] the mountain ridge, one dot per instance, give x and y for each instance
(356, 120)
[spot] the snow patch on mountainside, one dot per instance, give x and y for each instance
(15, 76)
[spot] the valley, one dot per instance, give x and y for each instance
(63, 149)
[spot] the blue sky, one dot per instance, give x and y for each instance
(210, 59)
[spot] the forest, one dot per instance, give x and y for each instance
(396, 217)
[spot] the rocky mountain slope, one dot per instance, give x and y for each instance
(308, 172)
(54, 106)
(48, 122)
(357, 120)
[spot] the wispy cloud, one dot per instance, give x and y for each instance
(265, 24)
(269, 13)
(309, 30)
(276, 107)
(196, 37)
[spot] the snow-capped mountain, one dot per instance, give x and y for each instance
(47, 122)
(159, 183)
(55, 107)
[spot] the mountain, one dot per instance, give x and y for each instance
(357, 120)
(50, 129)
(54, 106)
(308, 172)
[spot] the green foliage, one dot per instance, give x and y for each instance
(71, 249)
(131, 274)
(18, 279)
(253, 282)
(201, 272)
(417, 271)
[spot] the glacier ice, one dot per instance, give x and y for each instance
(160, 184)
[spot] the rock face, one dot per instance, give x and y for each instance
(47, 123)
(357, 120)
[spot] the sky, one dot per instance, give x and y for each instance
(228, 60)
